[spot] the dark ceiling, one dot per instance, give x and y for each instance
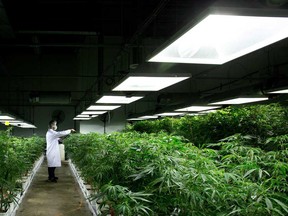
(77, 50)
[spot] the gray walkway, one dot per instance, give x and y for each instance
(63, 198)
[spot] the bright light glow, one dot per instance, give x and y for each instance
(102, 107)
(23, 125)
(197, 108)
(76, 118)
(11, 121)
(208, 111)
(170, 114)
(148, 117)
(221, 38)
(194, 114)
(134, 119)
(147, 83)
(118, 99)
(93, 112)
(240, 100)
(86, 116)
(283, 91)
(6, 117)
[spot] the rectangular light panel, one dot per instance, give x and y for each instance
(118, 99)
(79, 118)
(11, 121)
(148, 117)
(240, 100)
(6, 117)
(170, 114)
(197, 108)
(148, 83)
(86, 116)
(102, 107)
(134, 119)
(283, 91)
(93, 112)
(221, 38)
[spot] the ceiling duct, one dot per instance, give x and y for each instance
(50, 98)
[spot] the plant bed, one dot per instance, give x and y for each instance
(161, 174)
(18, 161)
(86, 190)
(25, 183)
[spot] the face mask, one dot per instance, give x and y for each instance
(55, 127)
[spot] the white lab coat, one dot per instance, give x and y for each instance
(52, 148)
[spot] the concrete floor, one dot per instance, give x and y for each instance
(63, 198)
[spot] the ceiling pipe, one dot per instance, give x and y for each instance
(61, 45)
(134, 37)
(84, 33)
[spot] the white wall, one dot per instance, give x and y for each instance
(42, 115)
(116, 122)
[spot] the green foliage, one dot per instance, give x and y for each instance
(160, 174)
(17, 158)
(260, 121)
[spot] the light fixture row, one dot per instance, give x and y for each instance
(8, 119)
(133, 82)
(203, 109)
(224, 34)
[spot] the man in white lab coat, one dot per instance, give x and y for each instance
(52, 148)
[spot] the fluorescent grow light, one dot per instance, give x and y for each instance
(118, 99)
(93, 112)
(148, 117)
(208, 111)
(221, 37)
(149, 82)
(86, 116)
(134, 119)
(196, 108)
(11, 121)
(6, 117)
(170, 114)
(23, 125)
(79, 118)
(102, 107)
(283, 91)
(240, 100)
(26, 125)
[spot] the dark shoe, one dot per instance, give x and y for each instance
(52, 180)
(56, 178)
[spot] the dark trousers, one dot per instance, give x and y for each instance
(51, 173)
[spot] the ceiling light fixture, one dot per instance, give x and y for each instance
(6, 117)
(79, 118)
(86, 116)
(109, 99)
(102, 107)
(196, 108)
(240, 100)
(170, 114)
(149, 82)
(282, 91)
(148, 117)
(93, 112)
(225, 34)
(134, 119)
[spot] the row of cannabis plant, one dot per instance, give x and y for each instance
(17, 158)
(159, 174)
(261, 121)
